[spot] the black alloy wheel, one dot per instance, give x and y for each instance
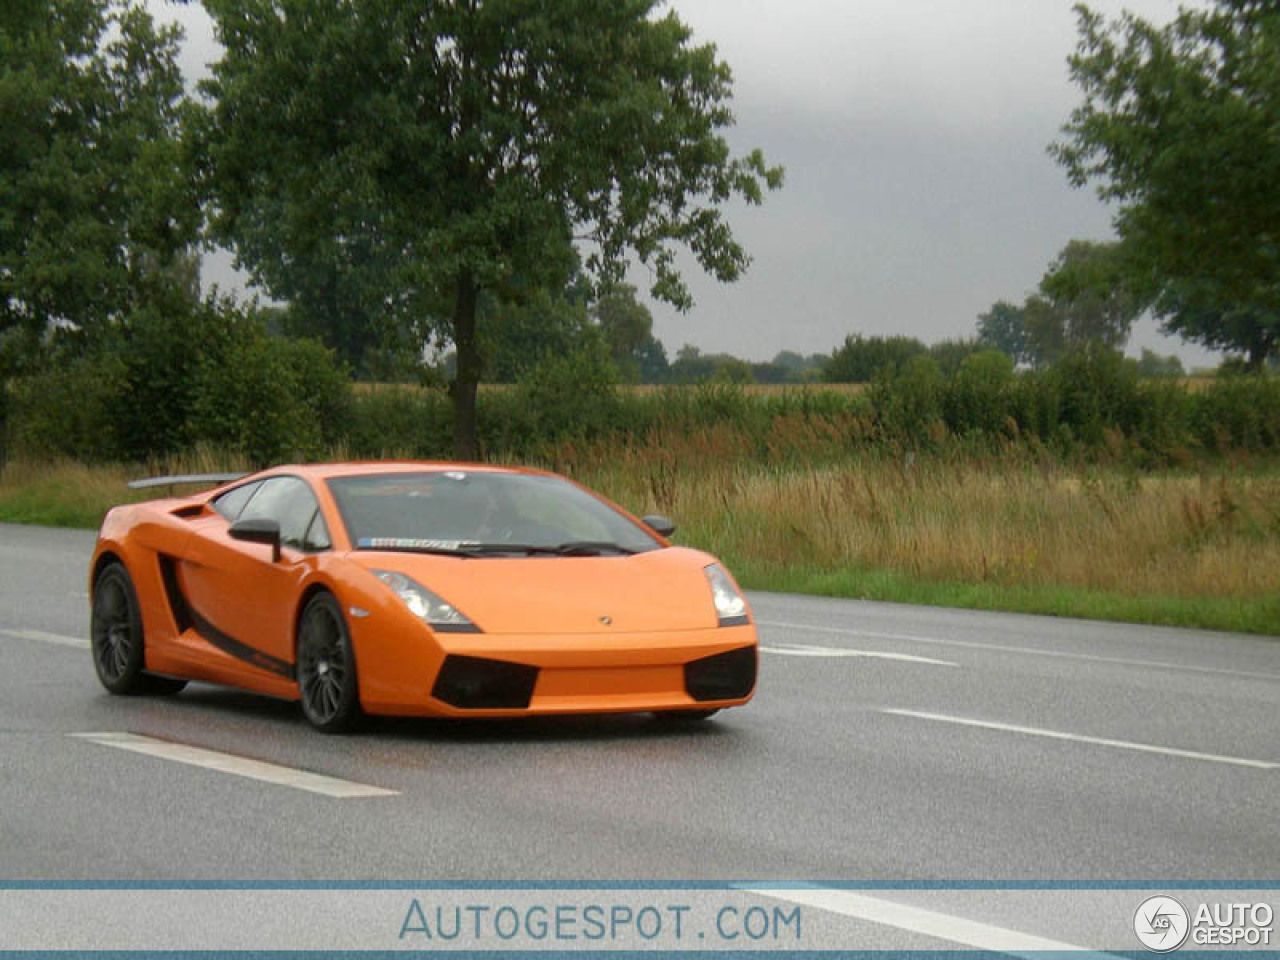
(326, 667)
(115, 637)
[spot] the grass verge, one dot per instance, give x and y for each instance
(1179, 549)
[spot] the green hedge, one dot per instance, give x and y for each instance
(216, 378)
(210, 375)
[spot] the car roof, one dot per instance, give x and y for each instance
(325, 471)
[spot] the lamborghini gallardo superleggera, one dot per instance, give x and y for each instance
(416, 589)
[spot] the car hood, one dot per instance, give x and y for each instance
(658, 590)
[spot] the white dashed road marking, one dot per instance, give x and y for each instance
(1078, 738)
(43, 637)
(929, 923)
(1027, 651)
(239, 766)
(805, 650)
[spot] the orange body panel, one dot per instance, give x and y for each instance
(606, 633)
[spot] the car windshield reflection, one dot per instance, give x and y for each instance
(482, 514)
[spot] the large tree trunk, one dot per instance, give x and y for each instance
(463, 388)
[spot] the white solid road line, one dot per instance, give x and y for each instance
(805, 650)
(41, 636)
(1029, 651)
(1079, 738)
(929, 923)
(240, 766)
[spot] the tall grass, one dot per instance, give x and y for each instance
(791, 499)
(1012, 521)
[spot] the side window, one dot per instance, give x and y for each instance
(317, 537)
(231, 503)
(290, 502)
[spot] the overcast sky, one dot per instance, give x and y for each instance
(918, 188)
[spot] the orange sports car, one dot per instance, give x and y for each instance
(416, 589)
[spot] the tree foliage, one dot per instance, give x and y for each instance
(1004, 328)
(95, 205)
(517, 335)
(627, 326)
(1090, 287)
(861, 359)
(429, 152)
(1180, 127)
(1088, 296)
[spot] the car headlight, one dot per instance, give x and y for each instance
(731, 607)
(427, 606)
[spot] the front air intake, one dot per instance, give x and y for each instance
(474, 683)
(724, 676)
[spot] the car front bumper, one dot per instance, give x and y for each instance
(478, 674)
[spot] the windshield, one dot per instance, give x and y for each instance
(481, 513)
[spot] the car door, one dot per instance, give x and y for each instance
(241, 601)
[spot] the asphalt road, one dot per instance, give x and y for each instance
(885, 742)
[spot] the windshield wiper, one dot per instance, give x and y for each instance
(574, 548)
(489, 549)
(467, 551)
(591, 548)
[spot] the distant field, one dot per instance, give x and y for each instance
(752, 389)
(1195, 384)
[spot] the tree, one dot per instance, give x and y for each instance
(627, 325)
(653, 363)
(1004, 327)
(949, 354)
(1091, 289)
(96, 212)
(1152, 364)
(860, 359)
(458, 145)
(517, 335)
(800, 368)
(691, 365)
(1197, 315)
(1046, 331)
(1180, 126)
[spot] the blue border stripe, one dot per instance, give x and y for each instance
(669, 884)
(629, 954)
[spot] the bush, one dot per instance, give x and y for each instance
(65, 412)
(950, 355)
(264, 397)
(1097, 391)
(977, 400)
(401, 422)
(200, 374)
(908, 403)
(861, 360)
(158, 352)
(571, 395)
(1240, 413)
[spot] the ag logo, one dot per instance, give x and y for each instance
(1161, 924)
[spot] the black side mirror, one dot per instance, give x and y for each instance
(659, 524)
(259, 530)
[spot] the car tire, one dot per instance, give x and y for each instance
(158, 686)
(327, 687)
(686, 716)
(115, 633)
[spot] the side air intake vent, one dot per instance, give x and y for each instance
(474, 683)
(724, 676)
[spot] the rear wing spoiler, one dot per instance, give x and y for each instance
(206, 479)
